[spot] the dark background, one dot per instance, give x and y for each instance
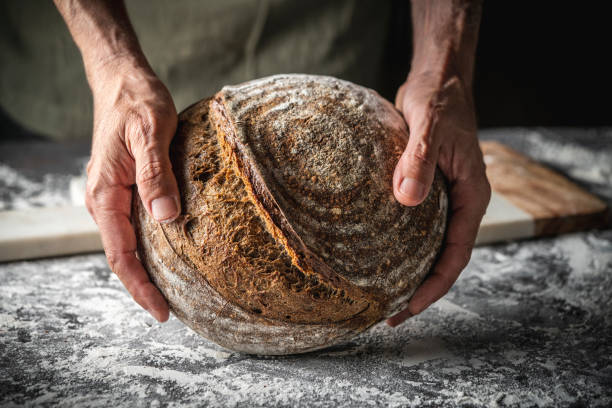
(538, 63)
(544, 63)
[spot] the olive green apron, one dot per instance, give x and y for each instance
(194, 46)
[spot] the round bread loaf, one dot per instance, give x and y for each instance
(290, 238)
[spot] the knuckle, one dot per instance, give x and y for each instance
(446, 283)
(423, 152)
(151, 173)
(463, 258)
(484, 189)
(448, 280)
(137, 130)
(153, 125)
(101, 196)
(140, 128)
(163, 114)
(399, 97)
(94, 193)
(487, 190)
(154, 121)
(118, 261)
(150, 134)
(114, 261)
(447, 287)
(92, 196)
(89, 204)
(90, 166)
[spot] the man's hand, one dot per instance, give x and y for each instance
(436, 101)
(134, 122)
(442, 133)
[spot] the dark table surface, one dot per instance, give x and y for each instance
(527, 324)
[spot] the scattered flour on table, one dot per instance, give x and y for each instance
(448, 307)
(419, 351)
(18, 192)
(8, 321)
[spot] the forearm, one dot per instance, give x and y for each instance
(104, 35)
(445, 35)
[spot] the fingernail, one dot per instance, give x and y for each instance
(399, 318)
(391, 323)
(156, 316)
(153, 313)
(412, 188)
(164, 208)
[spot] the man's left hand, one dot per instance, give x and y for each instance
(440, 115)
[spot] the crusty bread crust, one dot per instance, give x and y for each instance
(290, 239)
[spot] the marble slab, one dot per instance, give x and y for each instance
(47, 231)
(524, 191)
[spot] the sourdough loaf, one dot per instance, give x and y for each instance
(290, 238)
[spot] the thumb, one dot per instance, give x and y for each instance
(154, 177)
(416, 167)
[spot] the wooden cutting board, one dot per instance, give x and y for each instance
(528, 200)
(531, 200)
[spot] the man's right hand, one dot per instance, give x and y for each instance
(134, 122)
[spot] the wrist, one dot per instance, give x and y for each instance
(440, 67)
(116, 67)
(445, 60)
(438, 84)
(445, 38)
(104, 35)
